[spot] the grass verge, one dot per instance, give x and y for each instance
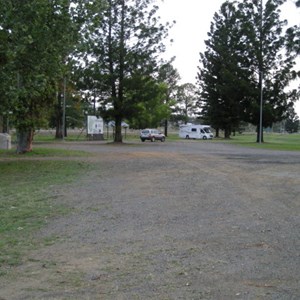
(272, 141)
(29, 194)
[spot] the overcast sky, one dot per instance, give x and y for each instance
(193, 18)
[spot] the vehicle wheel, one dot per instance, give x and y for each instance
(142, 140)
(205, 138)
(163, 139)
(153, 139)
(187, 137)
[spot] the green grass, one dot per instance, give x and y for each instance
(42, 152)
(49, 137)
(272, 141)
(29, 195)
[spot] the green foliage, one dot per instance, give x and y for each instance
(144, 102)
(115, 42)
(220, 79)
(186, 99)
(170, 77)
(123, 40)
(292, 122)
(247, 49)
(40, 36)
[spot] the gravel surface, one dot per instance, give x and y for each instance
(173, 220)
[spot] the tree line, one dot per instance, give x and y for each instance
(104, 57)
(248, 65)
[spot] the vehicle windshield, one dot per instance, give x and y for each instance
(207, 130)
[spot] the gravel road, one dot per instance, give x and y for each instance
(173, 220)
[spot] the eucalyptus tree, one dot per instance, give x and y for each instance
(26, 43)
(123, 41)
(37, 36)
(170, 77)
(292, 122)
(186, 99)
(4, 78)
(69, 18)
(6, 75)
(293, 41)
(253, 75)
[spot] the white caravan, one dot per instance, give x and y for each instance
(191, 131)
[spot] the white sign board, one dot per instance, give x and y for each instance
(94, 125)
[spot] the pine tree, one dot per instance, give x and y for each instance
(123, 40)
(219, 76)
(248, 66)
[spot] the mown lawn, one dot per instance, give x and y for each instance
(272, 141)
(29, 191)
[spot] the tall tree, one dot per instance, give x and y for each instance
(7, 92)
(258, 58)
(270, 58)
(124, 41)
(292, 122)
(186, 101)
(148, 107)
(170, 77)
(219, 76)
(37, 33)
(67, 27)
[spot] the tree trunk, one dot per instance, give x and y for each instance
(4, 124)
(119, 101)
(1, 125)
(24, 140)
(166, 127)
(261, 67)
(118, 131)
(59, 129)
(227, 133)
(58, 117)
(217, 132)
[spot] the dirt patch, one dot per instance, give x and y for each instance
(181, 220)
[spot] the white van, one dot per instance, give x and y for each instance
(191, 131)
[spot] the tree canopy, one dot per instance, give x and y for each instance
(123, 42)
(246, 55)
(110, 51)
(39, 36)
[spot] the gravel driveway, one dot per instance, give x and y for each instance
(174, 220)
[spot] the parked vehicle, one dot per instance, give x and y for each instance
(191, 131)
(152, 135)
